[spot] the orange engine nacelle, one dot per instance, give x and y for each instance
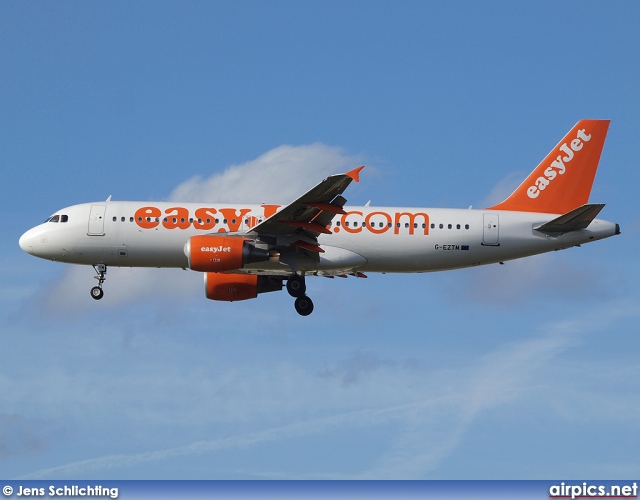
(221, 253)
(233, 287)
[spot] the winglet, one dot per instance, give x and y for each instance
(355, 173)
(563, 180)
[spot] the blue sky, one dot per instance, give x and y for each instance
(523, 371)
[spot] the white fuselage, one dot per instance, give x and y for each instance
(367, 239)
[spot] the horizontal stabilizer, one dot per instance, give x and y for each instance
(577, 219)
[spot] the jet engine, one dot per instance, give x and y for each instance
(222, 253)
(233, 287)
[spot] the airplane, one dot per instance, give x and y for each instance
(248, 249)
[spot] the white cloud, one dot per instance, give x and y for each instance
(431, 411)
(434, 432)
(552, 275)
(431, 418)
(503, 189)
(20, 435)
(350, 370)
(70, 292)
(278, 176)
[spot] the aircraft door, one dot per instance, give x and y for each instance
(96, 220)
(491, 233)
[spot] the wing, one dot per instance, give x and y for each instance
(308, 216)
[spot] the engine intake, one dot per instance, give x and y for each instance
(222, 253)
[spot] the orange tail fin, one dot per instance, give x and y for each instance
(562, 182)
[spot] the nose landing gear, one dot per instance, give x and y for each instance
(96, 292)
(297, 288)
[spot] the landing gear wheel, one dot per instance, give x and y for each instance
(296, 286)
(96, 291)
(304, 305)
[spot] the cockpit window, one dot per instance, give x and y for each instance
(58, 218)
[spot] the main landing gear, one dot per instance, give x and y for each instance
(297, 288)
(97, 292)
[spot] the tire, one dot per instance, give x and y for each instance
(296, 286)
(304, 305)
(97, 293)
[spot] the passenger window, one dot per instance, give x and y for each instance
(122, 219)
(64, 218)
(441, 226)
(458, 226)
(355, 224)
(381, 224)
(449, 226)
(337, 223)
(433, 226)
(466, 226)
(115, 219)
(130, 219)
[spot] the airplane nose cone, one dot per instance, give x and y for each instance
(25, 242)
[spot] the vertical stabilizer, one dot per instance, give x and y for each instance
(562, 182)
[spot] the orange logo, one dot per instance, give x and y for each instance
(205, 218)
(377, 222)
(559, 165)
(380, 222)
